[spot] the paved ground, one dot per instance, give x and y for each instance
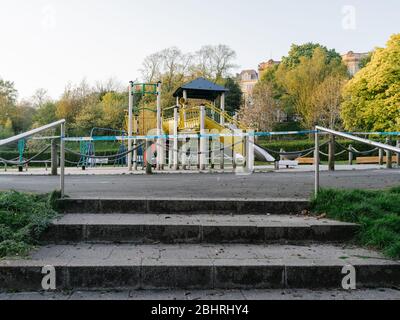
(201, 254)
(123, 170)
(372, 294)
(190, 185)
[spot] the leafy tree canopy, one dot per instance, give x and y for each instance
(307, 50)
(372, 97)
(233, 99)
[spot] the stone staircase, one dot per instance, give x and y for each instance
(195, 244)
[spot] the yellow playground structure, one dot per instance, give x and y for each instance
(200, 110)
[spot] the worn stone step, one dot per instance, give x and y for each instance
(187, 266)
(187, 206)
(150, 228)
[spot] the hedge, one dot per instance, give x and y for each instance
(299, 145)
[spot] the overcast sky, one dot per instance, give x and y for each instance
(46, 44)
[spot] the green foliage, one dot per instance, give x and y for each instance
(310, 80)
(308, 83)
(301, 143)
(113, 106)
(377, 211)
(297, 52)
(287, 126)
(23, 218)
(233, 99)
(45, 114)
(365, 60)
(7, 90)
(6, 130)
(372, 97)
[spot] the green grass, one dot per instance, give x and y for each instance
(23, 217)
(378, 213)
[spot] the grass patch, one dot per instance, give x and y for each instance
(378, 213)
(23, 217)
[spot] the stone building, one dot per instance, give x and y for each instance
(247, 80)
(352, 61)
(265, 65)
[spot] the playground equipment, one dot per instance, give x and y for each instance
(195, 113)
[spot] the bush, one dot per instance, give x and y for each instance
(23, 218)
(378, 213)
(305, 144)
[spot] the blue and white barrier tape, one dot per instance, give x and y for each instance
(212, 135)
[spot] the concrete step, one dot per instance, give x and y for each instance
(151, 228)
(203, 266)
(376, 294)
(187, 206)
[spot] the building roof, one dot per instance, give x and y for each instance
(251, 73)
(201, 88)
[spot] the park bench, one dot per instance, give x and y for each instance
(305, 161)
(373, 160)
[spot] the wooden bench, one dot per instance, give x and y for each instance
(305, 160)
(373, 160)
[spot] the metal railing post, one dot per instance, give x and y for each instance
(351, 156)
(398, 154)
(54, 157)
(381, 157)
(316, 162)
(331, 155)
(130, 125)
(62, 160)
(388, 156)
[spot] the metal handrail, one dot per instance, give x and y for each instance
(319, 130)
(30, 133)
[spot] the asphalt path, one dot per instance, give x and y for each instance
(255, 186)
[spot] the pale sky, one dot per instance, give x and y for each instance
(48, 43)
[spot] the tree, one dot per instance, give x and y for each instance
(262, 115)
(327, 100)
(302, 81)
(113, 107)
(40, 97)
(45, 114)
(151, 67)
(109, 85)
(215, 62)
(22, 116)
(170, 66)
(6, 130)
(365, 60)
(72, 101)
(8, 91)
(234, 97)
(371, 98)
(307, 51)
(89, 115)
(8, 97)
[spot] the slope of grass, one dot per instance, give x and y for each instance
(378, 213)
(23, 217)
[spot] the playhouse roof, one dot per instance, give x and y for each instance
(201, 88)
